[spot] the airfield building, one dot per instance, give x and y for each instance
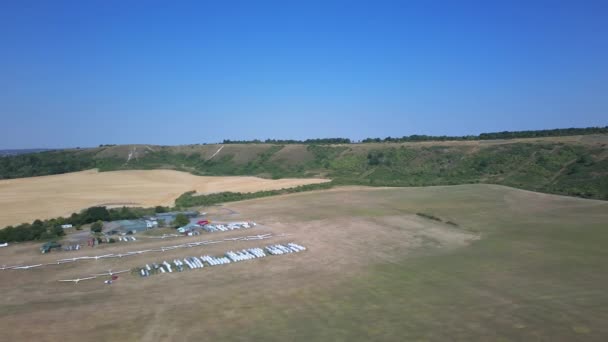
(168, 218)
(130, 226)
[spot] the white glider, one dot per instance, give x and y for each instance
(26, 267)
(111, 273)
(75, 281)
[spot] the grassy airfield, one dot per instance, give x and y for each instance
(519, 266)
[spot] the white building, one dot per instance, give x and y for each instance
(151, 224)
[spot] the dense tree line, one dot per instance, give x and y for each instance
(416, 137)
(190, 199)
(49, 229)
(323, 141)
(37, 230)
(421, 137)
(497, 135)
(15, 152)
(45, 163)
(558, 132)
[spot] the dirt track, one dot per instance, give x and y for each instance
(27, 199)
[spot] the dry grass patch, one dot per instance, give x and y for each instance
(211, 301)
(373, 271)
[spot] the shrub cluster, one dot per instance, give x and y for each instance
(429, 216)
(190, 199)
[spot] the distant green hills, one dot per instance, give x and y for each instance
(569, 165)
(14, 152)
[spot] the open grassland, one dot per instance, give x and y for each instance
(519, 266)
(28, 199)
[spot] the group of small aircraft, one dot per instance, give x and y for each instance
(227, 258)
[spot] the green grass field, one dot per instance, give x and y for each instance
(539, 272)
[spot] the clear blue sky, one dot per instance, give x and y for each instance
(84, 73)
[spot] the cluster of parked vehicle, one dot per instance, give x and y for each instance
(228, 226)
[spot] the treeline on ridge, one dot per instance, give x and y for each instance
(558, 132)
(324, 141)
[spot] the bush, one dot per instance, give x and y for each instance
(181, 220)
(94, 214)
(160, 209)
(429, 216)
(97, 227)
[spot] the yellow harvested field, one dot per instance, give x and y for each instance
(27, 199)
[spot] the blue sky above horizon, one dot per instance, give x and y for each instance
(76, 73)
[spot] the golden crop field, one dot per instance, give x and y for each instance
(28, 199)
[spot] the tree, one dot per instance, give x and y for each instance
(47, 235)
(126, 214)
(58, 231)
(160, 209)
(97, 227)
(75, 219)
(93, 214)
(181, 220)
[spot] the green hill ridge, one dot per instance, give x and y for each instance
(569, 165)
